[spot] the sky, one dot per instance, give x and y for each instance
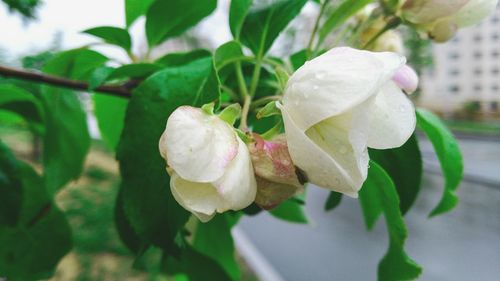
(70, 17)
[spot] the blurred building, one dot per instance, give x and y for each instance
(465, 78)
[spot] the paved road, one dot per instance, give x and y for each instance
(462, 245)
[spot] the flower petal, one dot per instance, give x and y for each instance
(326, 155)
(335, 82)
(198, 146)
(201, 199)
(406, 78)
(391, 117)
(474, 11)
(238, 186)
(428, 11)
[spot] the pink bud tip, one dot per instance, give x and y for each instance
(406, 78)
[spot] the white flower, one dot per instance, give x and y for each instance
(338, 105)
(210, 166)
(442, 18)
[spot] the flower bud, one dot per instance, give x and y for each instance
(274, 169)
(406, 78)
(210, 166)
(442, 18)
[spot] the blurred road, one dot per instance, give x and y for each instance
(461, 245)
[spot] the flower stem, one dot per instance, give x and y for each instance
(315, 29)
(264, 101)
(244, 113)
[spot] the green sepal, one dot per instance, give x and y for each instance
(270, 109)
(282, 76)
(208, 108)
(231, 113)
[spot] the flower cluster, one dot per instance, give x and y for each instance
(334, 108)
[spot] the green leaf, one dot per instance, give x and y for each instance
(40, 236)
(449, 156)
(110, 114)
(125, 230)
(135, 70)
(21, 102)
(344, 11)
(66, 140)
(265, 21)
(135, 9)
(228, 53)
(99, 76)
(404, 165)
(11, 188)
(148, 203)
(169, 18)
(298, 59)
(237, 13)
(291, 211)
(200, 267)
(178, 59)
(333, 201)
(214, 240)
(112, 35)
(378, 195)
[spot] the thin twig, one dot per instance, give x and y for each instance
(124, 91)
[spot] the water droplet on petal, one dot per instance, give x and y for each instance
(320, 75)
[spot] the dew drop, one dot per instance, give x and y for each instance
(320, 75)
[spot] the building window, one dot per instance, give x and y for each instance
(494, 106)
(495, 53)
(495, 36)
(478, 87)
(454, 72)
(494, 88)
(478, 55)
(478, 71)
(495, 70)
(478, 38)
(454, 89)
(495, 19)
(454, 56)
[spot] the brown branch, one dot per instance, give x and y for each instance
(124, 91)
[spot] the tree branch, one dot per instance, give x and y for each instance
(124, 91)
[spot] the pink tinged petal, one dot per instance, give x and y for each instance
(271, 160)
(406, 78)
(275, 172)
(237, 187)
(199, 146)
